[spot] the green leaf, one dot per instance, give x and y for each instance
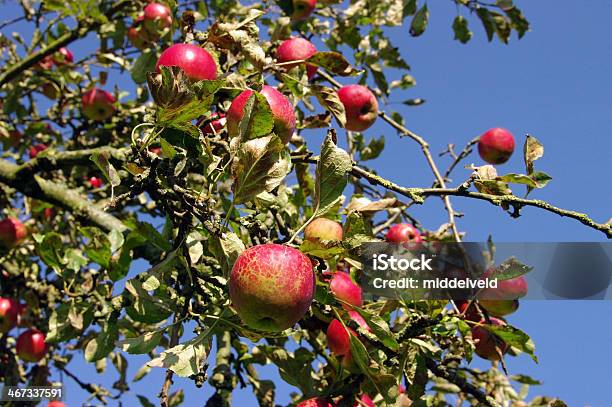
(98, 247)
(257, 120)
(333, 62)
(141, 344)
(185, 359)
(513, 337)
(535, 180)
(328, 98)
(332, 173)
(144, 402)
(380, 328)
(61, 326)
(419, 21)
(49, 251)
(143, 64)
(325, 249)
(145, 307)
(373, 149)
(226, 250)
(382, 382)
(461, 30)
(102, 161)
(487, 21)
(103, 343)
(511, 268)
(259, 165)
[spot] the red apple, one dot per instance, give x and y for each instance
(499, 308)
(282, 111)
(496, 145)
(338, 339)
(156, 150)
(297, 49)
(344, 289)
(402, 233)
(98, 104)
(195, 61)
(271, 286)
(63, 57)
(365, 400)
(302, 9)
(156, 17)
(12, 232)
(9, 314)
(323, 229)
(137, 37)
(34, 150)
(95, 182)
(215, 124)
(471, 313)
(56, 403)
(360, 105)
(356, 316)
(487, 344)
(31, 345)
(511, 289)
(315, 402)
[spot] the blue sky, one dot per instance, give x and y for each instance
(554, 84)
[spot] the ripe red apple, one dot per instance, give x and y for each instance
(9, 314)
(282, 111)
(496, 145)
(31, 345)
(156, 17)
(356, 316)
(195, 61)
(63, 56)
(315, 402)
(137, 37)
(12, 140)
(297, 49)
(302, 9)
(344, 289)
(12, 232)
(323, 229)
(499, 308)
(471, 313)
(56, 403)
(95, 182)
(34, 150)
(215, 124)
(511, 289)
(98, 104)
(361, 107)
(486, 342)
(338, 339)
(364, 400)
(402, 233)
(271, 286)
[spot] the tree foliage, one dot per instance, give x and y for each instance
(190, 201)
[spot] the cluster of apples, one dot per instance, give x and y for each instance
(147, 27)
(61, 58)
(497, 303)
(31, 346)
